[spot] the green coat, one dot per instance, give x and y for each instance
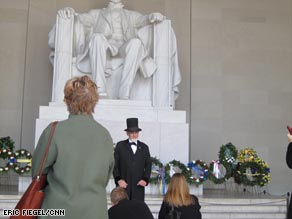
(79, 165)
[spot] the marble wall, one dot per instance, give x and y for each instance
(13, 28)
(235, 59)
(241, 77)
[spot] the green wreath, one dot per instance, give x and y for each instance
(22, 153)
(227, 154)
(10, 163)
(6, 143)
(179, 165)
(229, 170)
(156, 170)
(201, 168)
(259, 173)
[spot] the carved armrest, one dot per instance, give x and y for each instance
(63, 56)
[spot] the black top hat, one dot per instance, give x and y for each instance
(132, 125)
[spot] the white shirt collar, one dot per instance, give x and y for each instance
(135, 141)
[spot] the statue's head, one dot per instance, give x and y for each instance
(115, 1)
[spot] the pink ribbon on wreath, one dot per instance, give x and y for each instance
(216, 171)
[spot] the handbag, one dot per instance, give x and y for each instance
(33, 196)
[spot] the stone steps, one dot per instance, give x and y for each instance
(244, 216)
(219, 208)
(234, 208)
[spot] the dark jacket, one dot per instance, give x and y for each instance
(289, 163)
(130, 209)
(132, 167)
(187, 212)
(289, 155)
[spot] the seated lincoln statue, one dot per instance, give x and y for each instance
(120, 49)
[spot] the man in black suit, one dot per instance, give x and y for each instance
(132, 163)
(125, 208)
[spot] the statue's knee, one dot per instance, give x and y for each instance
(97, 37)
(135, 42)
(98, 42)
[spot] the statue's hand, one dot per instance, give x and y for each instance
(66, 13)
(156, 17)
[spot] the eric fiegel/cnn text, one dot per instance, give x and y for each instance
(34, 212)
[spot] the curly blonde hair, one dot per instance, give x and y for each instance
(80, 95)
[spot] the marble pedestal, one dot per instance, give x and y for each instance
(154, 189)
(165, 130)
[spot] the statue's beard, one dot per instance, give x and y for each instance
(115, 5)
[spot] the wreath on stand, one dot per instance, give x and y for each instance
(215, 175)
(254, 173)
(252, 170)
(18, 167)
(198, 172)
(228, 154)
(227, 158)
(156, 171)
(175, 167)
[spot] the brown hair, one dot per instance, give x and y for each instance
(178, 191)
(118, 194)
(80, 95)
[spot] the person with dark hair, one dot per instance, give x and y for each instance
(80, 159)
(132, 162)
(122, 207)
(178, 201)
(289, 164)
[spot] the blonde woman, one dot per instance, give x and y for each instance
(80, 159)
(179, 200)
